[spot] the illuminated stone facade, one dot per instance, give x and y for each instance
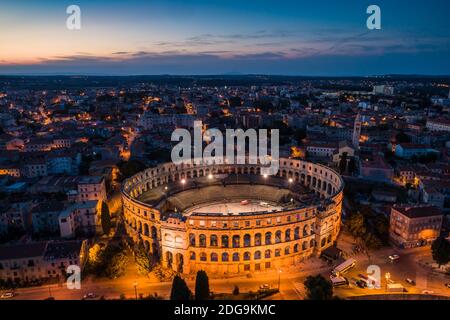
(238, 243)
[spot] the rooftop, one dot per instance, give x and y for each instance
(22, 251)
(419, 211)
(90, 179)
(63, 249)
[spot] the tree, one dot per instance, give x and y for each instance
(440, 250)
(129, 168)
(235, 101)
(105, 218)
(318, 288)
(143, 259)
(299, 135)
(201, 286)
(236, 291)
(351, 166)
(180, 290)
(402, 137)
(356, 225)
(372, 241)
(343, 163)
(113, 261)
(95, 254)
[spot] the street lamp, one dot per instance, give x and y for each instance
(279, 279)
(210, 176)
(290, 180)
(183, 182)
(135, 289)
(387, 276)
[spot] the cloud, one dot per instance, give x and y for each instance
(279, 51)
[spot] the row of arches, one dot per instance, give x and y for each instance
(248, 256)
(324, 181)
(258, 239)
(143, 228)
(194, 169)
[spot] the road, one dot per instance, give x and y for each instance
(290, 279)
(112, 289)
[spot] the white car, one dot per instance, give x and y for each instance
(394, 257)
(7, 295)
(264, 287)
(90, 295)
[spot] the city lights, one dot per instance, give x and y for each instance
(217, 151)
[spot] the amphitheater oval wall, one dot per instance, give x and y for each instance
(225, 244)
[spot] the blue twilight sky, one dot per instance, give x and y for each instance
(217, 37)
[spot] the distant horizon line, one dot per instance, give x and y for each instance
(231, 74)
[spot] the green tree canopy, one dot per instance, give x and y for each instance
(440, 250)
(180, 290)
(105, 218)
(356, 225)
(318, 288)
(143, 258)
(351, 166)
(129, 168)
(402, 137)
(201, 286)
(343, 163)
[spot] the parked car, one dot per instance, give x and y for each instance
(394, 257)
(362, 284)
(90, 295)
(427, 292)
(353, 281)
(264, 287)
(7, 295)
(363, 276)
(410, 281)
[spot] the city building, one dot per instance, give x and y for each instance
(440, 124)
(152, 121)
(356, 131)
(91, 188)
(10, 170)
(384, 90)
(413, 226)
(82, 218)
(410, 150)
(376, 169)
(28, 263)
(44, 217)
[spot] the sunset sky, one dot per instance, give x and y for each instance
(217, 37)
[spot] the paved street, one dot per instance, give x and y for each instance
(291, 280)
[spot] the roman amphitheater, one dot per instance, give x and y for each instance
(228, 219)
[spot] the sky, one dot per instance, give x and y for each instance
(281, 37)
